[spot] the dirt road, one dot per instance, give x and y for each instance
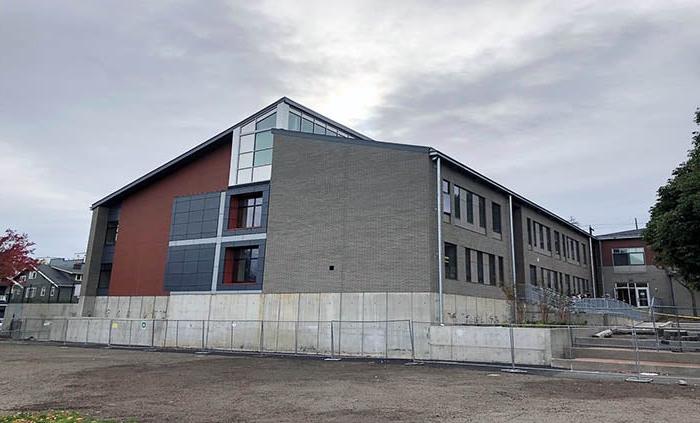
(150, 386)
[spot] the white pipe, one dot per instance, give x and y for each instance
(439, 240)
(512, 259)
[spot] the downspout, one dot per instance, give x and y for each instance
(512, 259)
(439, 241)
(590, 248)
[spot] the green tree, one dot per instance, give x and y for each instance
(673, 231)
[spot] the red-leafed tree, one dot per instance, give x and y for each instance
(15, 253)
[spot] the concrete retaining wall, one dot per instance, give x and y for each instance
(392, 339)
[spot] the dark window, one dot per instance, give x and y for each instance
(529, 231)
(446, 203)
(450, 261)
(496, 217)
(557, 246)
(583, 247)
(533, 275)
(568, 284)
(104, 278)
(112, 233)
(241, 265)
(564, 246)
(468, 267)
(458, 206)
(578, 252)
(480, 266)
(549, 240)
(245, 211)
(482, 212)
(500, 270)
(628, 256)
(541, 233)
(492, 269)
(542, 274)
(470, 207)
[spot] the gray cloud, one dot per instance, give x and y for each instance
(580, 106)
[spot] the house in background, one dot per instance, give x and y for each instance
(628, 274)
(55, 280)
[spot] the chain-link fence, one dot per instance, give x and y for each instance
(381, 339)
(515, 346)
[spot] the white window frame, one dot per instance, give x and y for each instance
(42, 293)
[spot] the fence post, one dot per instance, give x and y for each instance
(512, 368)
(131, 327)
(332, 357)
(153, 333)
(262, 334)
(165, 335)
(203, 335)
(232, 336)
(678, 326)
(87, 331)
(653, 322)
(386, 339)
(639, 377)
(296, 336)
(572, 341)
(413, 345)
(65, 333)
(177, 333)
(109, 336)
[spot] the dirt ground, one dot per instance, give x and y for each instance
(159, 386)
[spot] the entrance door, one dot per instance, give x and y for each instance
(642, 295)
(635, 294)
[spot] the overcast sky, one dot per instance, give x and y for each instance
(584, 107)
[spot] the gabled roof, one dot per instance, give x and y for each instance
(56, 277)
(215, 141)
(631, 234)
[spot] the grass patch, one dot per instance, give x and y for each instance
(50, 417)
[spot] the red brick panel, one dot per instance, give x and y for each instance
(144, 222)
(608, 246)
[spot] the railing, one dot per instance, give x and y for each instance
(607, 306)
(538, 295)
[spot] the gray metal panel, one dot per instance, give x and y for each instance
(189, 268)
(195, 216)
(261, 266)
(263, 187)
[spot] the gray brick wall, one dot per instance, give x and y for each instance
(460, 233)
(543, 258)
(367, 210)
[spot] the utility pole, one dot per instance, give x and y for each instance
(636, 225)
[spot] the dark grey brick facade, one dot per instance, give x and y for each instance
(364, 210)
